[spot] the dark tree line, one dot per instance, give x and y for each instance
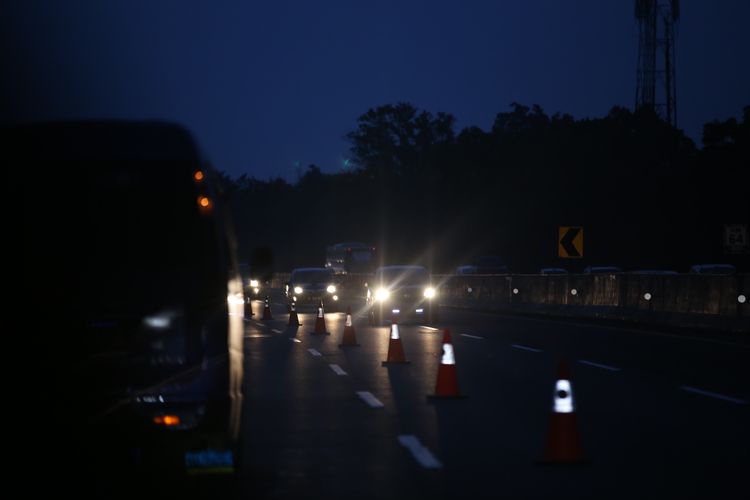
(646, 196)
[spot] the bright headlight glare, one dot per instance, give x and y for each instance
(381, 294)
(254, 283)
(429, 292)
(158, 321)
(298, 289)
(331, 289)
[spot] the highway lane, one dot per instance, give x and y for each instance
(659, 415)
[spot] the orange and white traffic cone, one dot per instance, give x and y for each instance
(447, 382)
(350, 338)
(395, 349)
(267, 310)
(293, 318)
(563, 441)
(320, 322)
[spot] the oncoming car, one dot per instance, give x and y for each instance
(311, 285)
(402, 291)
(251, 282)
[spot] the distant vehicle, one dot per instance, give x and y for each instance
(144, 262)
(251, 282)
(602, 270)
(490, 264)
(656, 272)
(466, 269)
(553, 270)
(484, 265)
(716, 269)
(310, 285)
(402, 291)
(352, 257)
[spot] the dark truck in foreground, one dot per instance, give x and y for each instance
(125, 231)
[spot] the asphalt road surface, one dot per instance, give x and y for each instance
(660, 415)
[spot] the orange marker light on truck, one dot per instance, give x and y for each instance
(198, 176)
(204, 202)
(167, 420)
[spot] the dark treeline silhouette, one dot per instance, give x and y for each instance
(646, 196)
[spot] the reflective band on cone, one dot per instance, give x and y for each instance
(563, 398)
(448, 358)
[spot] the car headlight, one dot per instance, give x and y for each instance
(382, 294)
(254, 283)
(298, 290)
(429, 292)
(331, 289)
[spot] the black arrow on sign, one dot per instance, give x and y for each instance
(567, 241)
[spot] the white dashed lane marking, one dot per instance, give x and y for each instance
(337, 369)
(369, 399)
(714, 395)
(599, 365)
(421, 454)
(525, 348)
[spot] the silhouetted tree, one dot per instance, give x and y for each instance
(644, 193)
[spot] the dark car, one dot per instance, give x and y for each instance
(311, 285)
(401, 292)
(147, 355)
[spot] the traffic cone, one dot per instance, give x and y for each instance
(267, 310)
(350, 339)
(320, 322)
(447, 382)
(563, 441)
(395, 349)
(293, 318)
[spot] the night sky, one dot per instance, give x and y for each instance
(270, 87)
